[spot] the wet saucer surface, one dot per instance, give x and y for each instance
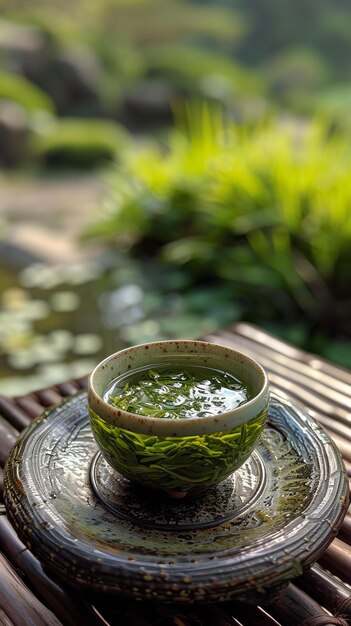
(245, 538)
(153, 509)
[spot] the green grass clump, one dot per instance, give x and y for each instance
(265, 210)
(80, 143)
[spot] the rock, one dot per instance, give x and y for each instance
(21, 46)
(14, 146)
(72, 79)
(148, 102)
(15, 257)
(70, 76)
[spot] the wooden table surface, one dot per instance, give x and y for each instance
(321, 597)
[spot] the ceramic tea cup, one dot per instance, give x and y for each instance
(177, 456)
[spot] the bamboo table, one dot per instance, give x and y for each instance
(321, 597)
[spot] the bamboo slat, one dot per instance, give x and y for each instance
(18, 603)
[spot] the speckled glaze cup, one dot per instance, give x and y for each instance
(207, 449)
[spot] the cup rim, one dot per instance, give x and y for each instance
(191, 426)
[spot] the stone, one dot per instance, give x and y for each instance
(71, 76)
(14, 136)
(148, 102)
(21, 45)
(72, 79)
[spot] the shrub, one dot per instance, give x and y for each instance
(294, 72)
(25, 93)
(78, 143)
(201, 70)
(335, 102)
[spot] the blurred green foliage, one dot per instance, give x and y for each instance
(264, 210)
(77, 142)
(297, 71)
(148, 22)
(300, 41)
(289, 51)
(138, 21)
(20, 90)
(200, 71)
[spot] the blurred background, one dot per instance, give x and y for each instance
(168, 168)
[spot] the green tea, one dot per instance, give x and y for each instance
(178, 393)
(177, 463)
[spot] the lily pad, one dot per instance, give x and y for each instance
(65, 301)
(87, 344)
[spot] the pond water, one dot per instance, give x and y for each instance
(58, 322)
